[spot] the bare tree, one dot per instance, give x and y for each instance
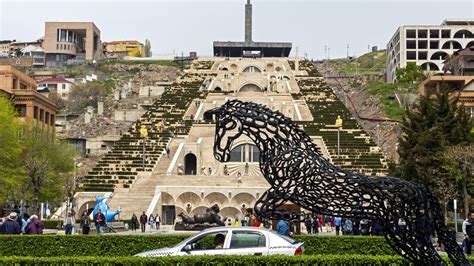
(454, 65)
(464, 155)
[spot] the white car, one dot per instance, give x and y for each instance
(232, 241)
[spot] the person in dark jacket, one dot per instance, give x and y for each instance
(11, 226)
(35, 226)
(99, 221)
(85, 223)
(143, 221)
(134, 222)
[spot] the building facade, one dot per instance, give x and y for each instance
(59, 85)
(29, 104)
(65, 41)
(119, 49)
(36, 53)
(427, 45)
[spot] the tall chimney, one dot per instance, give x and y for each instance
(248, 22)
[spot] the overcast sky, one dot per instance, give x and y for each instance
(192, 25)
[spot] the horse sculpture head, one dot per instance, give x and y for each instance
(228, 128)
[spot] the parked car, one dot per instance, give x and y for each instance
(232, 241)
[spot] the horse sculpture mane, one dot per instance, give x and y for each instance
(297, 172)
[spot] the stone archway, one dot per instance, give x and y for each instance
(252, 69)
(190, 164)
(87, 206)
(230, 212)
(250, 87)
(216, 198)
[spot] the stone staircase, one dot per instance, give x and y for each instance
(138, 197)
(124, 163)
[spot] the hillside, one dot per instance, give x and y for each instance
(370, 63)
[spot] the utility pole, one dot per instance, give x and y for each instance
(325, 52)
(329, 53)
(347, 51)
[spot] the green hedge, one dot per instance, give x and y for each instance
(210, 260)
(52, 224)
(126, 245)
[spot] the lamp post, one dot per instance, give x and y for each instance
(144, 135)
(339, 126)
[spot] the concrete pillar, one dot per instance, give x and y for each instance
(248, 22)
(117, 95)
(100, 108)
(87, 117)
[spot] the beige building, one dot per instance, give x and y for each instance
(29, 104)
(65, 41)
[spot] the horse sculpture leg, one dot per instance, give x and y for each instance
(269, 202)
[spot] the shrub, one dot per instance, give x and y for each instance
(125, 245)
(211, 260)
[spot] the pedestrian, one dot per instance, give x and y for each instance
(85, 223)
(35, 226)
(99, 221)
(320, 217)
(365, 227)
(309, 224)
(228, 222)
(11, 226)
(24, 222)
(134, 222)
(376, 228)
(151, 221)
(209, 170)
(282, 227)
(143, 220)
(69, 224)
(315, 221)
(468, 231)
(356, 227)
(157, 221)
(347, 227)
(332, 223)
(226, 170)
(168, 152)
(425, 225)
(337, 224)
(236, 221)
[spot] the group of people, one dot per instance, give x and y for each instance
(15, 224)
(153, 221)
(345, 226)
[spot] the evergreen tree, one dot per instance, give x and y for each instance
(147, 48)
(434, 124)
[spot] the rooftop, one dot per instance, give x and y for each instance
(54, 81)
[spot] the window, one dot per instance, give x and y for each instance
(63, 95)
(422, 44)
(434, 33)
(209, 241)
(411, 33)
(63, 86)
(35, 112)
(63, 35)
(422, 34)
(411, 55)
(21, 110)
(470, 110)
(422, 55)
(247, 239)
(23, 86)
(411, 44)
(245, 153)
(434, 44)
(445, 33)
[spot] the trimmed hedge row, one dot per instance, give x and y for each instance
(210, 260)
(127, 245)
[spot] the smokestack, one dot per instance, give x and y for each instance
(248, 22)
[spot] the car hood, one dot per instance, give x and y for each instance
(157, 252)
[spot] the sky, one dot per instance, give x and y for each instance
(181, 26)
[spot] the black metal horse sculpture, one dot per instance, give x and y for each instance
(297, 172)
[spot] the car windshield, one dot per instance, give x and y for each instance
(287, 238)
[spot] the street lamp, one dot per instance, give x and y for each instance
(339, 126)
(144, 135)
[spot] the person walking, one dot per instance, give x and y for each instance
(11, 226)
(157, 221)
(365, 227)
(347, 227)
(337, 224)
(99, 221)
(315, 220)
(134, 222)
(282, 227)
(151, 221)
(468, 231)
(143, 221)
(308, 223)
(69, 224)
(85, 223)
(35, 226)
